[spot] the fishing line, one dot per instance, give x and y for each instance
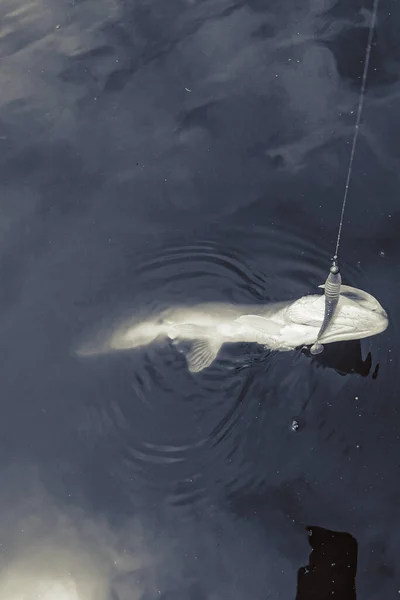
(358, 119)
(334, 280)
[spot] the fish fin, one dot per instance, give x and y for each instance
(202, 354)
(295, 313)
(260, 323)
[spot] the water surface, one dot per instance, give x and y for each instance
(153, 152)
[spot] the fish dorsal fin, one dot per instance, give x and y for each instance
(202, 354)
(262, 324)
(296, 313)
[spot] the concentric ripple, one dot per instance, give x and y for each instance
(197, 436)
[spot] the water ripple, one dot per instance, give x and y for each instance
(199, 436)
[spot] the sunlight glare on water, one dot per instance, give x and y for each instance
(35, 588)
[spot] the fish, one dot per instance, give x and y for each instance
(281, 326)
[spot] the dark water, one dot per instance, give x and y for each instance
(153, 151)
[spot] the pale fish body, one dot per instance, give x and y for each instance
(279, 326)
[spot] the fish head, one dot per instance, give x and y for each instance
(358, 315)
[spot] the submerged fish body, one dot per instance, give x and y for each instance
(280, 326)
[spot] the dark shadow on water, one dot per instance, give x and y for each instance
(345, 357)
(331, 572)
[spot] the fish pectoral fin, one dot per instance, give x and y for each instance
(262, 324)
(202, 354)
(296, 314)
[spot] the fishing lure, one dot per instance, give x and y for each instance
(332, 294)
